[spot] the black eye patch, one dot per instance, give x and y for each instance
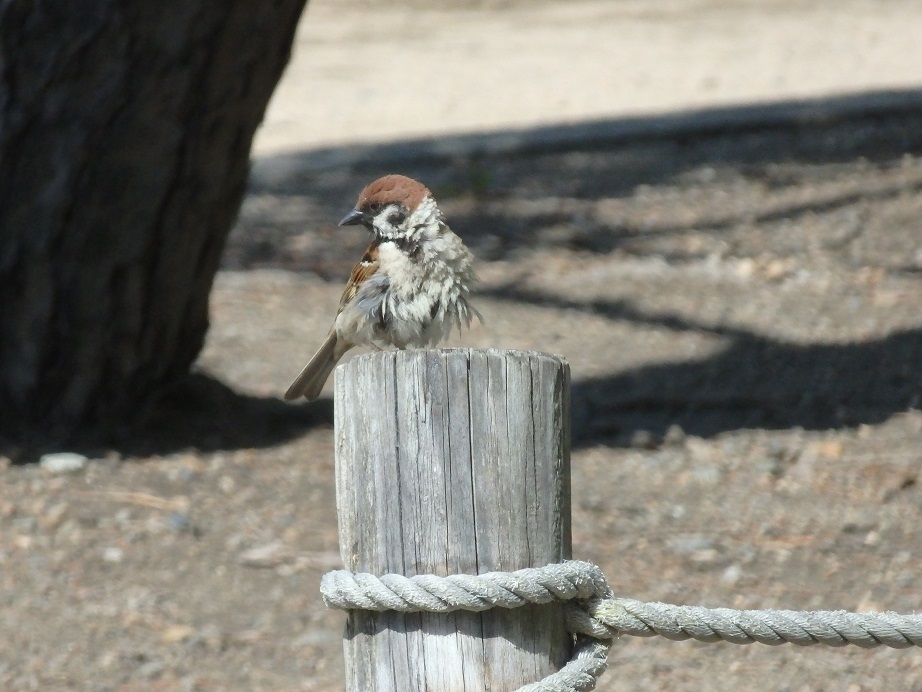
(397, 217)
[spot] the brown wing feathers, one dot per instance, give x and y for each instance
(361, 272)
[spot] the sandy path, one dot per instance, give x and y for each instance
(371, 74)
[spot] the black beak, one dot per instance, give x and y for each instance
(353, 218)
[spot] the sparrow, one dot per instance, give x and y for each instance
(410, 288)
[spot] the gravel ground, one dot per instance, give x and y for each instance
(741, 313)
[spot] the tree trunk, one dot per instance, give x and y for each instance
(125, 130)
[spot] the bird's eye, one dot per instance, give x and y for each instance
(375, 207)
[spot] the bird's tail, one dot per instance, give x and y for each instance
(314, 375)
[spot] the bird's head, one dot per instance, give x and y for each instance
(388, 207)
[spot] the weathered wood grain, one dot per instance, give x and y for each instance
(446, 462)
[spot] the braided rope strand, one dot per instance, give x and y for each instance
(772, 627)
(428, 593)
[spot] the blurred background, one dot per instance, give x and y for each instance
(711, 209)
(485, 66)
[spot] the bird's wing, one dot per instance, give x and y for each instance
(361, 272)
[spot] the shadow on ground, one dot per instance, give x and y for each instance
(206, 414)
(755, 382)
(197, 413)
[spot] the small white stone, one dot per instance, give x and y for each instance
(62, 462)
(113, 554)
(731, 574)
(269, 555)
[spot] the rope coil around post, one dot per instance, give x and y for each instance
(596, 617)
(565, 581)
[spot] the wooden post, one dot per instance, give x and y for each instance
(453, 461)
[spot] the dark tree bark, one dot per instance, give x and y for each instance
(125, 130)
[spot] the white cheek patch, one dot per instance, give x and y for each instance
(424, 223)
(383, 226)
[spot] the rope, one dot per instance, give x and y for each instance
(597, 617)
(773, 627)
(474, 592)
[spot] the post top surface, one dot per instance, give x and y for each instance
(466, 353)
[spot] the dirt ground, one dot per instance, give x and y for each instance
(740, 307)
